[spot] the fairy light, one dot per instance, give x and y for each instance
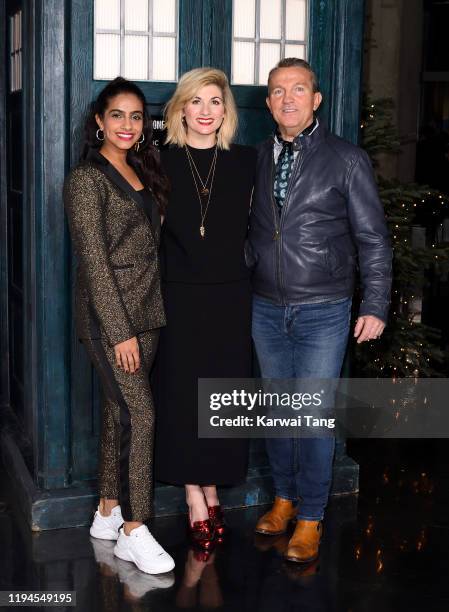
(379, 562)
(401, 206)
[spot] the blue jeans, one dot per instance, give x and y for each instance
(302, 341)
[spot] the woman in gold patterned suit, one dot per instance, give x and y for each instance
(114, 198)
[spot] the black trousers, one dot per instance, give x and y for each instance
(126, 447)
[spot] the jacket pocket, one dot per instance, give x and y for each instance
(340, 259)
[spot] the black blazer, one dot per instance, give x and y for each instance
(118, 281)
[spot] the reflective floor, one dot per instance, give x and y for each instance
(386, 549)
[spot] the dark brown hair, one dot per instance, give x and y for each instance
(146, 160)
(295, 62)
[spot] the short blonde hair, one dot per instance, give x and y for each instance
(189, 85)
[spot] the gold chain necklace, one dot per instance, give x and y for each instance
(204, 188)
(204, 191)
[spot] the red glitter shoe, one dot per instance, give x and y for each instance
(201, 533)
(216, 517)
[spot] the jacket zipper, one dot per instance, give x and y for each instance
(279, 220)
(277, 234)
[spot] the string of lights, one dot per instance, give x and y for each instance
(418, 218)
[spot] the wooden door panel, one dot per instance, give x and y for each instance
(16, 245)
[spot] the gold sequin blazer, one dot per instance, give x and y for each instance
(118, 279)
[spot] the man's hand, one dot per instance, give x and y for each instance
(368, 327)
(127, 355)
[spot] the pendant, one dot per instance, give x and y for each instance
(202, 231)
(204, 191)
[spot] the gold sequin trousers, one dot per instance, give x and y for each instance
(126, 446)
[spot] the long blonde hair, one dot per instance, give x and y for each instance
(189, 85)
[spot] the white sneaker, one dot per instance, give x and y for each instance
(138, 583)
(142, 549)
(106, 527)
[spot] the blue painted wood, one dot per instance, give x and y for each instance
(191, 35)
(347, 69)
(84, 398)
(206, 32)
(34, 230)
(15, 234)
(51, 254)
(39, 275)
(32, 193)
(321, 50)
(4, 333)
(336, 55)
(220, 34)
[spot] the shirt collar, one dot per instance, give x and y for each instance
(306, 132)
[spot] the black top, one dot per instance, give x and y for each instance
(219, 256)
(148, 204)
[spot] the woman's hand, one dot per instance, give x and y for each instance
(127, 355)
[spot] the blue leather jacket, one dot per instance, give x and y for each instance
(332, 222)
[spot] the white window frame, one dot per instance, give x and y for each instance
(149, 34)
(15, 52)
(258, 40)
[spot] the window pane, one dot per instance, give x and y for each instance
(14, 32)
(243, 63)
(136, 57)
(296, 20)
(136, 15)
(164, 16)
(244, 18)
(19, 70)
(164, 59)
(11, 34)
(295, 51)
(107, 14)
(12, 84)
(107, 56)
(270, 54)
(270, 19)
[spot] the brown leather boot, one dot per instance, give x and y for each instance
(277, 519)
(305, 542)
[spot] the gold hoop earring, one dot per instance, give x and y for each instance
(139, 142)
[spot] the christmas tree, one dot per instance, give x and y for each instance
(415, 215)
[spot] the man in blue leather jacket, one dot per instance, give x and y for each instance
(316, 220)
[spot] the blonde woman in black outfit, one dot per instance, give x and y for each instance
(113, 200)
(206, 291)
